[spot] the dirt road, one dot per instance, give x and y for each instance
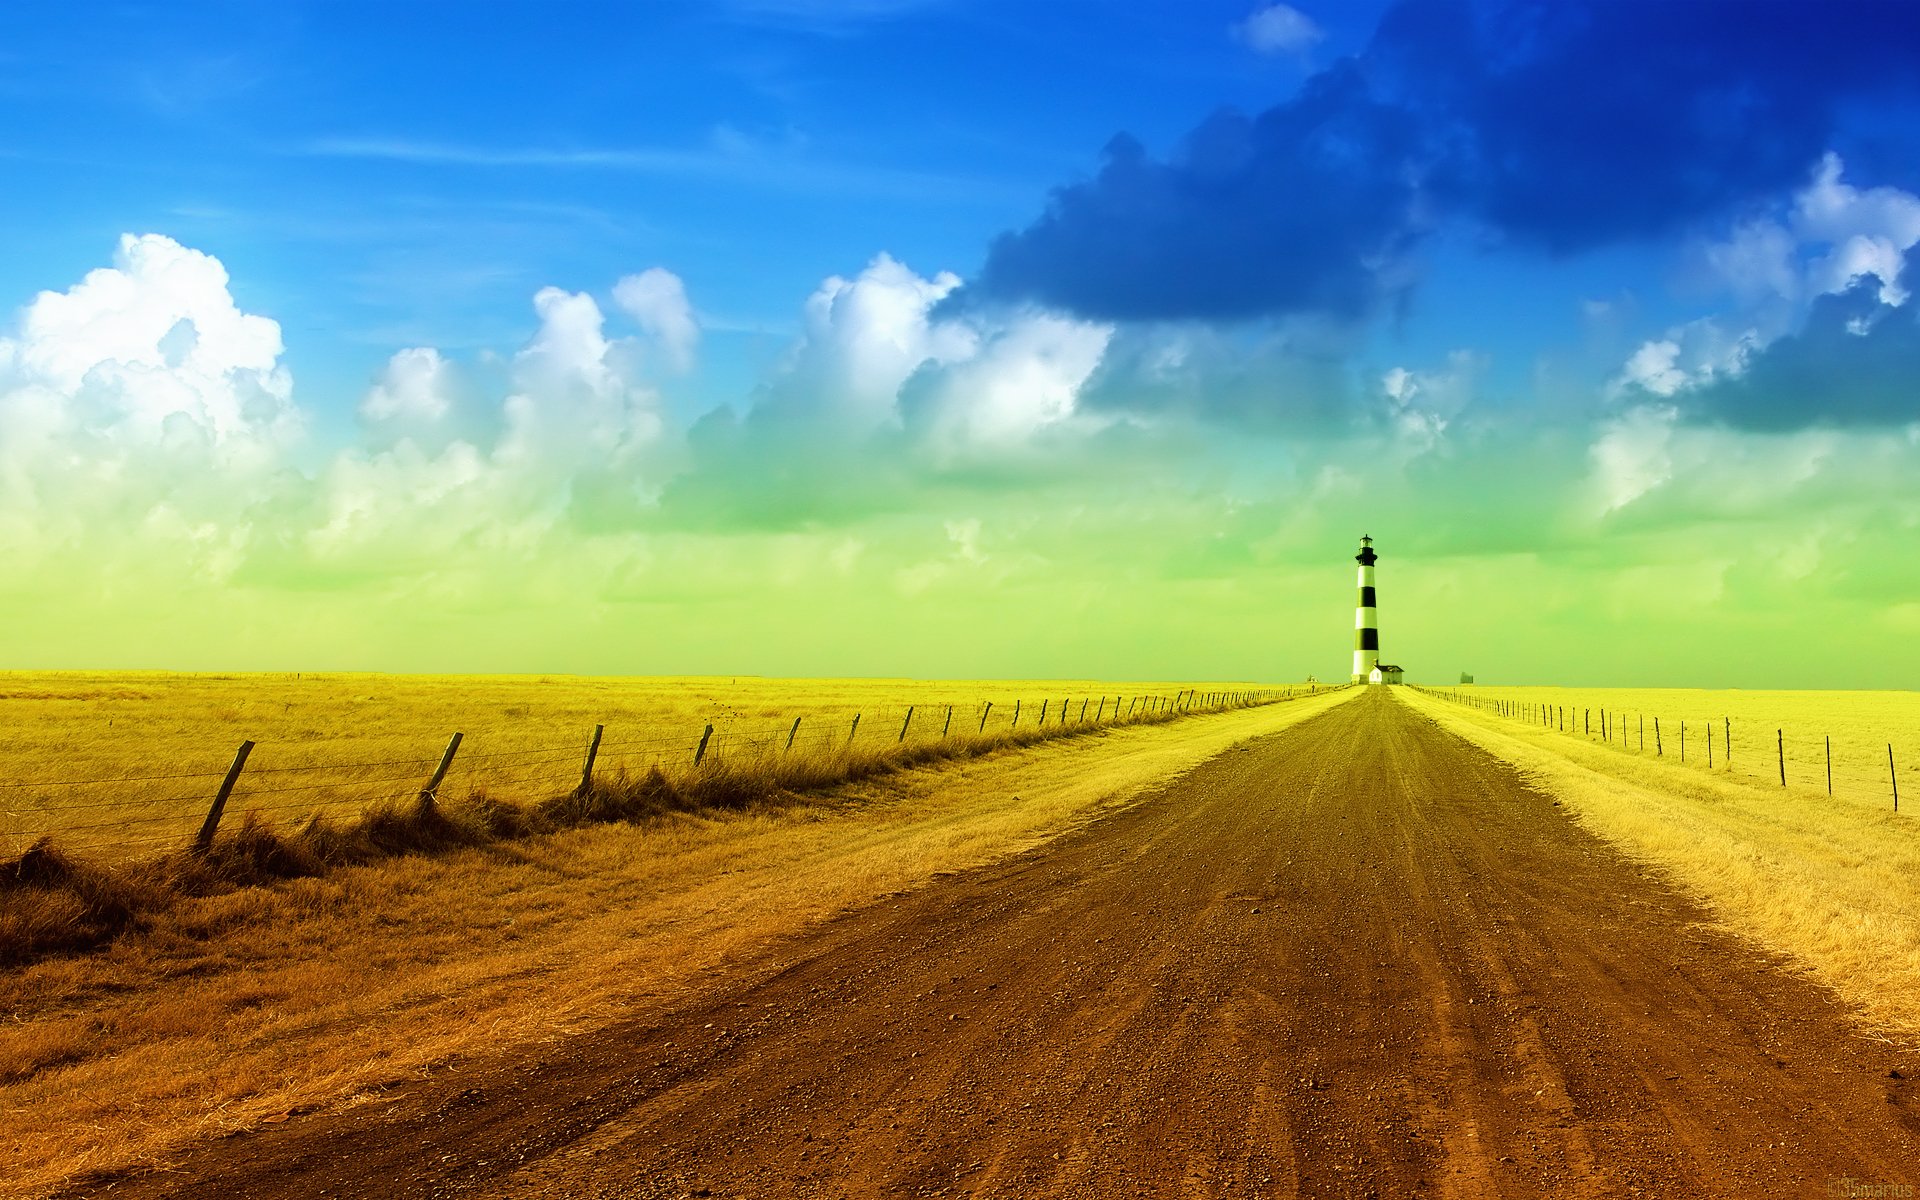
(1355, 958)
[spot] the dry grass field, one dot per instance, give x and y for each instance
(1832, 881)
(1694, 724)
(124, 765)
(227, 1011)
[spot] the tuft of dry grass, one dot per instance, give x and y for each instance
(1830, 881)
(234, 1007)
(51, 904)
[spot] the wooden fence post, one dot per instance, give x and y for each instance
(1101, 711)
(1709, 745)
(1658, 750)
(1726, 747)
(1895, 776)
(204, 841)
(1083, 707)
(431, 792)
(1780, 743)
(854, 730)
(593, 752)
(1830, 764)
(984, 713)
(791, 732)
(949, 724)
(700, 751)
(1016, 715)
(903, 726)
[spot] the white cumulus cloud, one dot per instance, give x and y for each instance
(141, 396)
(576, 428)
(574, 401)
(1689, 356)
(413, 389)
(1825, 241)
(864, 337)
(1633, 455)
(1278, 29)
(1867, 231)
(1421, 404)
(1024, 378)
(875, 357)
(656, 299)
(154, 339)
(1827, 238)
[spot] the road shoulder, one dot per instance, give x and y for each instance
(1832, 884)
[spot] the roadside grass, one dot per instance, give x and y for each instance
(1768, 728)
(1831, 882)
(122, 766)
(52, 901)
(240, 1007)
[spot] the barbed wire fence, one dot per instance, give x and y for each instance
(146, 813)
(1723, 744)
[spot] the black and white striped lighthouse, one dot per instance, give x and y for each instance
(1366, 618)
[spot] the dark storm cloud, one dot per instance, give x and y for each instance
(1855, 363)
(1560, 124)
(1296, 209)
(1573, 125)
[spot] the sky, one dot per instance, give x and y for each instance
(963, 338)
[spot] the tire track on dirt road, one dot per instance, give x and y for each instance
(1358, 957)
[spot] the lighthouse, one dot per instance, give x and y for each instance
(1366, 618)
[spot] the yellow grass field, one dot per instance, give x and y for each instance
(1859, 725)
(1832, 881)
(121, 765)
(234, 1009)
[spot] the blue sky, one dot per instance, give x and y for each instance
(710, 290)
(385, 174)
